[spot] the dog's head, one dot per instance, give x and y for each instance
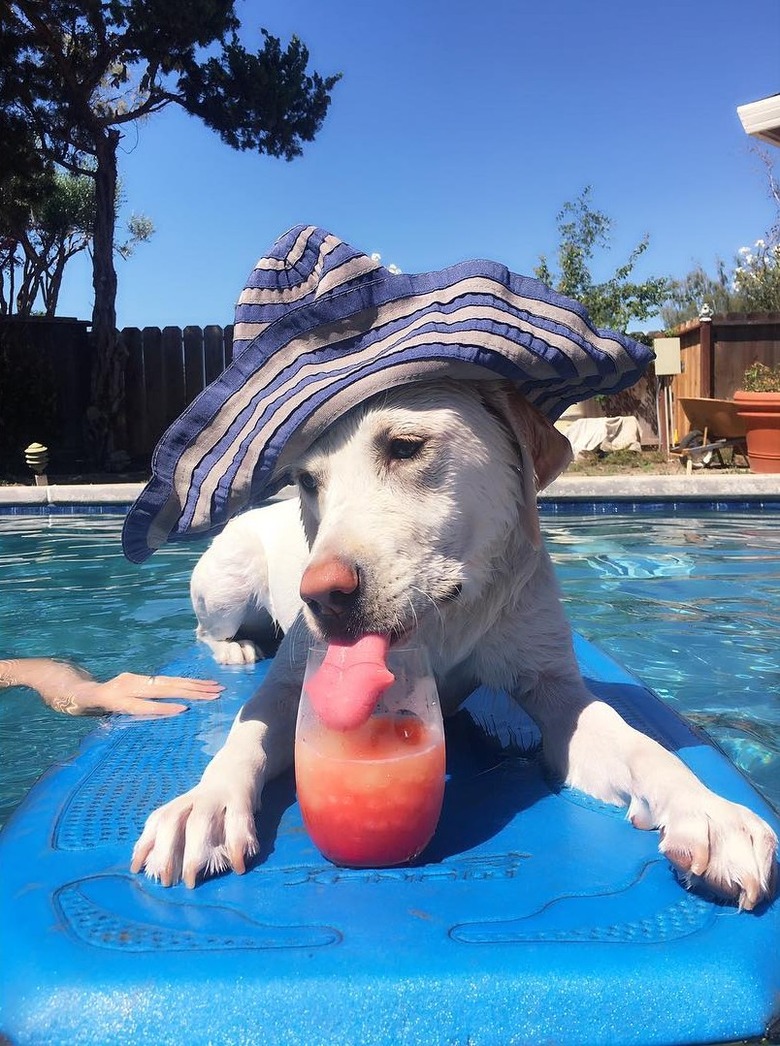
(419, 502)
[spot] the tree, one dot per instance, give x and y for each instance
(768, 161)
(76, 73)
(750, 284)
(39, 240)
(39, 236)
(689, 295)
(757, 277)
(614, 302)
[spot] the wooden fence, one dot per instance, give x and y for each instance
(45, 368)
(45, 374)
(164, 372)
(716, 353)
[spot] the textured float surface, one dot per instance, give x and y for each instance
(535, 915)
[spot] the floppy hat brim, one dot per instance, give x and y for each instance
(321, 327)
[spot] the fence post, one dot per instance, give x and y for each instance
(194, 373)
(154, 383)
(214, 352)
(135, 393)
(705, 362)
(173, 373)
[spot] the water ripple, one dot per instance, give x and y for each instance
(692, 606)
(689, 604)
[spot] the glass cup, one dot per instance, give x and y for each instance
(371, 796)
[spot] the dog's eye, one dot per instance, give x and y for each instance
(402, 448)
(307, 482)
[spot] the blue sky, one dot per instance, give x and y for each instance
(458, 131)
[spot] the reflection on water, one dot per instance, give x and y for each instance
(691, 605)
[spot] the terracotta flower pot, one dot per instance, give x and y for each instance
(761, 413)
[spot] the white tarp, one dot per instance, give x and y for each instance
(606, 434)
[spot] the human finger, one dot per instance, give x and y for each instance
(142, 706)
(129, 684)
(182, 686)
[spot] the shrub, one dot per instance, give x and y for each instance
(759, 377)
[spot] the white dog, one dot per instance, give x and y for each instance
(419, 517)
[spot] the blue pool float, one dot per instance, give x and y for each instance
(536, 915)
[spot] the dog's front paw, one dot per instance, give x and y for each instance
(723, 844)
(198, 834)
(235, 651)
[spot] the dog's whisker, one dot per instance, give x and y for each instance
(413, 609)
(435, 605)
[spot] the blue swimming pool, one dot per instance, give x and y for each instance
(691, 604)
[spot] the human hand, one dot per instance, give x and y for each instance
(71, 689)
(138, 695)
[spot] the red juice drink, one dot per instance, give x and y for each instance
(371, 795)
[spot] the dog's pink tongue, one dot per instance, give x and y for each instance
(352, 677)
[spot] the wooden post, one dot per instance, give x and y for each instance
(173, 373)
(194, 375)
(663, 416)
(135, 394)
(705, 335)
(154, 383)
(214, 352)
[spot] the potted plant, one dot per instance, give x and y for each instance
(759, 407)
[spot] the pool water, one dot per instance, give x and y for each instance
(689, 604)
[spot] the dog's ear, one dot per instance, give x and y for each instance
(549, 449)
(545, 452)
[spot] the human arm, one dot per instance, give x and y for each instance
(68, 688)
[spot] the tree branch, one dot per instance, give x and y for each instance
(153, 104)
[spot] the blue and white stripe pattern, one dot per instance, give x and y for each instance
(321, 327)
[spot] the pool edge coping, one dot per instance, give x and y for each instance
(71, 494)
(706, 487)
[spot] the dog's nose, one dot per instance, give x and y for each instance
(330, 586)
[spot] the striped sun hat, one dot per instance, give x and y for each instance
(321, 327)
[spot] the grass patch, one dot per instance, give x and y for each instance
(624, 462)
